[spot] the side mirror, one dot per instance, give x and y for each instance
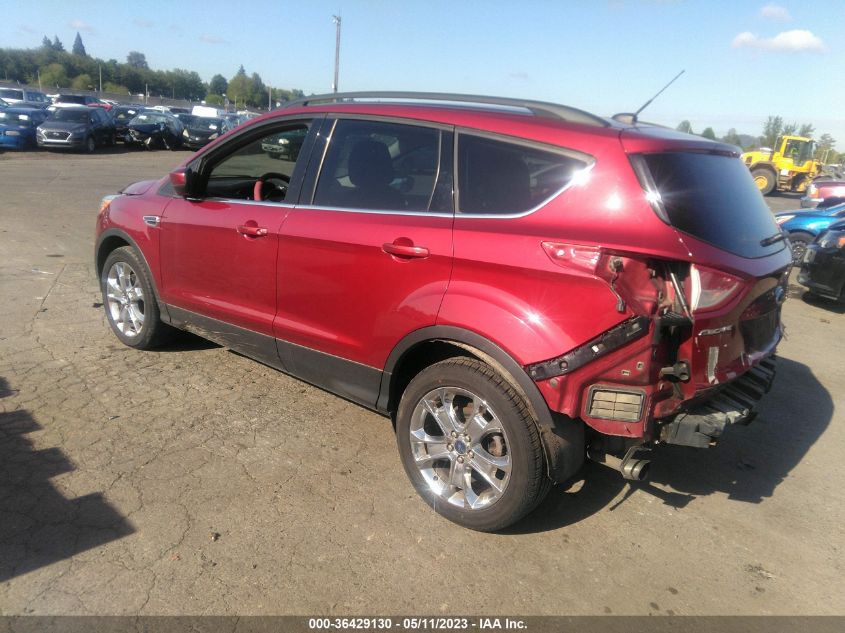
(183, 181)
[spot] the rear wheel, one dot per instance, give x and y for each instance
(764, 179)
(470, 445)
(90, 145)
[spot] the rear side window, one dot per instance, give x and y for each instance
(11, 94)
(713, 198)
(385, 166)
(498, 177)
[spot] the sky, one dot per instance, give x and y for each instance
(744, 59)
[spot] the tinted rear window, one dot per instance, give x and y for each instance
(713, 198)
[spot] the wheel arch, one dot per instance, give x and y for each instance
(112, 239)
(562, 437)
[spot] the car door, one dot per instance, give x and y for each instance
(219, 249)
(366, 258)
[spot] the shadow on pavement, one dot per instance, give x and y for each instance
(38, 525)
(829, 305)
(747, 465)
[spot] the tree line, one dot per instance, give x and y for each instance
(54, 68)
(773, 128)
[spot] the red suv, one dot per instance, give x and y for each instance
(517, 284)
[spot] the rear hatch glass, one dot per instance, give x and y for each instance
(711, 197)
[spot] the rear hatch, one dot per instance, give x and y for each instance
(734, 280)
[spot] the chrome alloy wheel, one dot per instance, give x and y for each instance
(125, 298)
(460, 448)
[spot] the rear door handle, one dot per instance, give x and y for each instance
(252, 231)
(404, 250)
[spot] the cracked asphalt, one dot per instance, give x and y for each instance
(195, 481)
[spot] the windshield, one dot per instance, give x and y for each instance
(121, 114)
(713, 198)
(14, 118)
(146, 118)
(11, 94)
(204, 123)
(71, 114)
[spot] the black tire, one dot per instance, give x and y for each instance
(112, 139)
(527, 482)
(764, 179)
(90, 145)
(153, 332)
(799, 241)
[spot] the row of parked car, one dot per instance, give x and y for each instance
(29, 119)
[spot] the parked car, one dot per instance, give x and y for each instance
(122, 115)
(803, 226)
(86, 100)
(821, 190)
(285, 145)
(450, 264)
(186, 119)
(202, 130)
(17, 127)
(24, 97)
(823, 266)
(154, 129)
(76, 127)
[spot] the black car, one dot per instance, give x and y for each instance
(285, 145)
(122, 115)
(76, 127)
(823, 268)
(202, 130)
(155, 129)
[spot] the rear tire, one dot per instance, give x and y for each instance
(764, 179)
(90, 145)
(470, 445)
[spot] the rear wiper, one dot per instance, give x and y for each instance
(773, 239)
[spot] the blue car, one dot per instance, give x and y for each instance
(803, 225)
(17, 127)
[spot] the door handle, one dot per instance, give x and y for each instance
(252, 231)
(404, 250)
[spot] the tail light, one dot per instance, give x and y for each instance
(711, 289)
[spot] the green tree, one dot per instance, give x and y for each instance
(806, 130)
(115, 88)
(709, 133)
(78, 46)
(137, 60)
(54, 75)
(732, 138)
(239, 86)
(217, 85)
(685, 127)
(82, 82)
(213, 99)
(46, 43)
(772, 129)
(57, 44)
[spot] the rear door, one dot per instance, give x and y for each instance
(366, 258)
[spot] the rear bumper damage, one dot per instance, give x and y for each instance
(702, 423)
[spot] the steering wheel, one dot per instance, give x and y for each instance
(271, 186)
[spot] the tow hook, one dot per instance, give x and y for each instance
(630, 466)
(679, 370)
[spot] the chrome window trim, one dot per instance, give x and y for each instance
(424, 214)
(259, 203)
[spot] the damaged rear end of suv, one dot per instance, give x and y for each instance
(698, 295)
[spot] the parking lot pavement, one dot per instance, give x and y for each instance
(192, 480)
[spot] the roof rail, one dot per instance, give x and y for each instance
(537, 108)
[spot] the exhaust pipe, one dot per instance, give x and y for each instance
(630, 468)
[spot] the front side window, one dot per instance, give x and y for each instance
(8, 93)
(497, 177)
(384, 166)
(251, 173)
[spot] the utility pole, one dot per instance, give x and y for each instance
(40, 89)
(100, 67)
(269, 98)
(336, 20)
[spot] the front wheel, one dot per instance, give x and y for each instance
(765, 180)
(129, 300)
(470, 445)
(799, 242)
(90, 144)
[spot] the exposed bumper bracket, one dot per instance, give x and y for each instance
(703, 423)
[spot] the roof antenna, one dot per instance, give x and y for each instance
(627, 117)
